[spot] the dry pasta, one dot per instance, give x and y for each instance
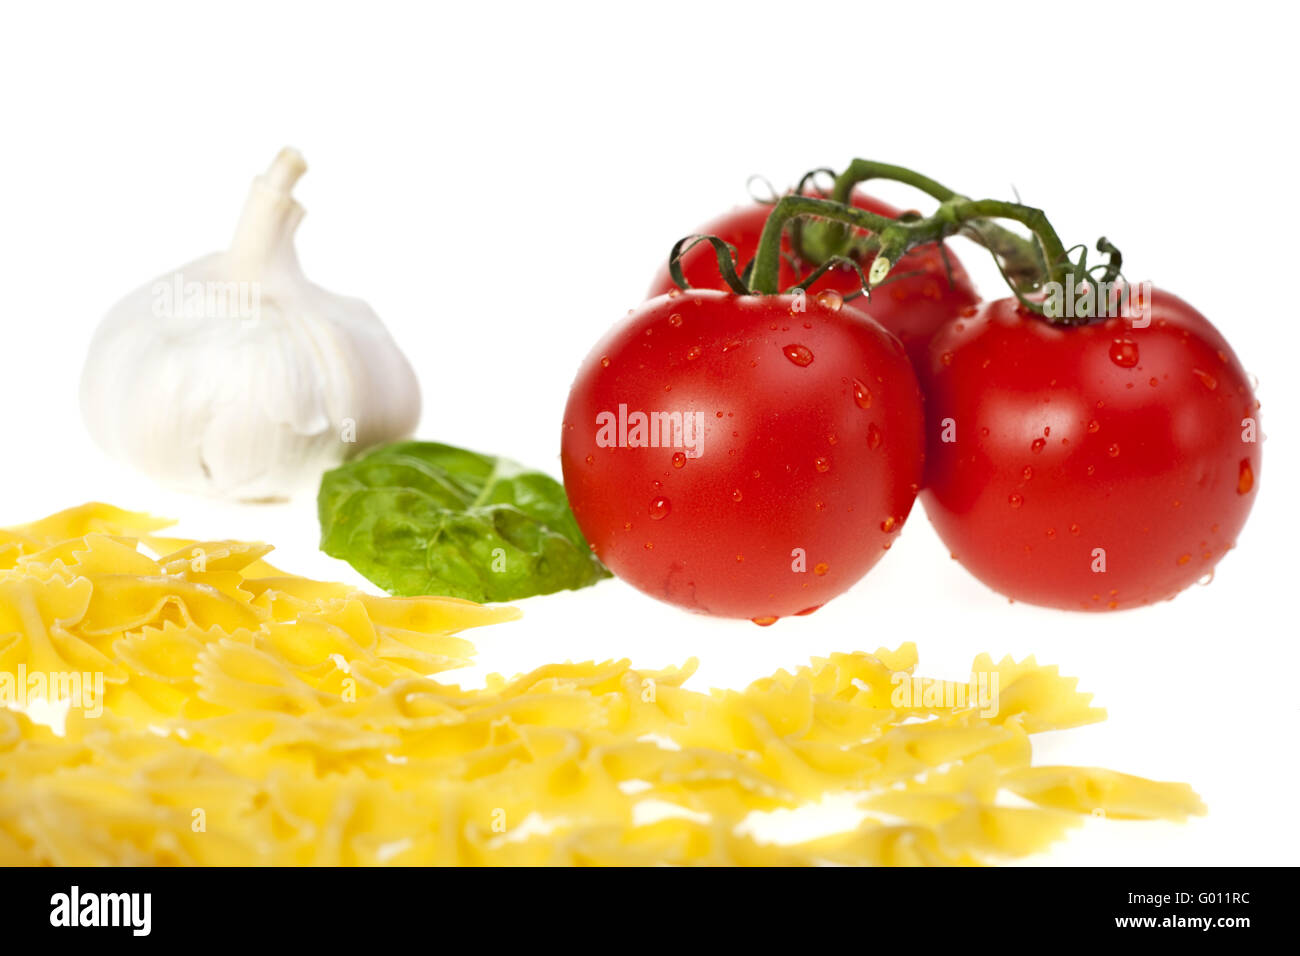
(248, 716)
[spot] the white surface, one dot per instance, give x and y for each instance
(500, 183)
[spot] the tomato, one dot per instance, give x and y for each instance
(1099, 467)
(910, 306)
(790, 465)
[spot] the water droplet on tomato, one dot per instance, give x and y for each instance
(830, 299)
(1037, 444)
(887, 525)
(861, 394)
(1027, 473)
(822, 464)
(1206, 379)
(763, 621)
(1015, 500)
(800, 355)
(1113, 451)
(1184, 558)
(946, 358)
(1206, 578)
(675, 320)
(659, 508)
(604, 361)
(873, 436)
(821, 569)
(694, 352)
(591, 459)
(1245, 477)
(731, 344)
(736, 495)
(1124, 352)
(679, 459)
(674, 293)
(808, 610)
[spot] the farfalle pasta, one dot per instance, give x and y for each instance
(219, 711)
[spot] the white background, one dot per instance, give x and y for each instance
(501, 181)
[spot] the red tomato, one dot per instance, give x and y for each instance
(790, 467)
(910, 306)
(1098, 467)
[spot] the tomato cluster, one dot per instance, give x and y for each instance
(754, 455)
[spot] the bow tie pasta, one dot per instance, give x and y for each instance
(218, 711)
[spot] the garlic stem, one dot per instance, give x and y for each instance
(269, 213)
(285, 170)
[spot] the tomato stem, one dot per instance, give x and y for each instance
(862, 170)
(764, 279)
(897, 237)
(1053, 250)
(1060, 269)
(1021, 259)
(1026, 264)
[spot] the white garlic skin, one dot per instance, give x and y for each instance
(246, 405)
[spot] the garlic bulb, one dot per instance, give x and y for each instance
(235, 375)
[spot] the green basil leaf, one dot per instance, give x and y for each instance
(423, 518)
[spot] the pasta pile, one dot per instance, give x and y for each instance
(254, 717)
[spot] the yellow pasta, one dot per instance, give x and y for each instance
(220, 711)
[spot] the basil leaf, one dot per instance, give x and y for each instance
(424, 518)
